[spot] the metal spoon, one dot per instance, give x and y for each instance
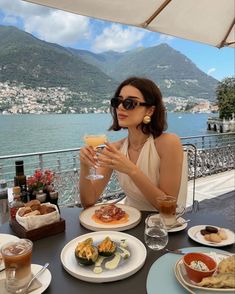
(25, 290)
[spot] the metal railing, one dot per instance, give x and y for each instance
(213, 154)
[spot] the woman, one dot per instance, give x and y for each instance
(148, 162)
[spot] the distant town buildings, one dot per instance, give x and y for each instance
(19, 99)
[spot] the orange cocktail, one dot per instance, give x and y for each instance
(94, 141)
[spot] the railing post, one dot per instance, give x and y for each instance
(75, 174)
(58, 165)
(203, 142)
(40, 161)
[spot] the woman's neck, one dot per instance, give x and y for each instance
(136, 140)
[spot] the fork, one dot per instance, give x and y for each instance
(175, 251)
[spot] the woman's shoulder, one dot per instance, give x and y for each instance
(166, 141)
(167, 138)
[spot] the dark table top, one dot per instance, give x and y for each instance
(49, 249)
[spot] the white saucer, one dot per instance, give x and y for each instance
(44, 278)
(180, 228)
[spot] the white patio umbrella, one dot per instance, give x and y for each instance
(206, 21)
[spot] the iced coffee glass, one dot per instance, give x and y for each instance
(17, 258)
(169, 210)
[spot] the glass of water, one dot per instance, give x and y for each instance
(155, 232)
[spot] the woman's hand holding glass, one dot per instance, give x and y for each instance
(111, 157)
(88, 155)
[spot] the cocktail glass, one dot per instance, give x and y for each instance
(94, 141)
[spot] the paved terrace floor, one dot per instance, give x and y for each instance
(211, 186)
(217, 193)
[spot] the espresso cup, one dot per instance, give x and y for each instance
(169, 210)
(17, 258)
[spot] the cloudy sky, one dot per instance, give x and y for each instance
(80, 32)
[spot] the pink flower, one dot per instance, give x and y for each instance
(40, 180)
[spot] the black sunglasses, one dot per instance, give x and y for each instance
(128, 103)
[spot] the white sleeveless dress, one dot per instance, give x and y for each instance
(149, 163)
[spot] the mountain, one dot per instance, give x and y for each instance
(175, 74)
(24, 58)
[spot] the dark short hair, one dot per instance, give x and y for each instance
(153, 96)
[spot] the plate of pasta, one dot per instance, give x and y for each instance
(115, 217)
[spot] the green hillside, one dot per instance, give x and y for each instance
(24, 58)
(172, 71)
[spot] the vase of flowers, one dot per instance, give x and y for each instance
(41, 181)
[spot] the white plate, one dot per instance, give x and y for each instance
(5, 238)
(180, 270)
(44, 278)
(87, 221)
(130, 266)
(194, 234)
(161, 274)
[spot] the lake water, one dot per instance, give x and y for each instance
(34, 133)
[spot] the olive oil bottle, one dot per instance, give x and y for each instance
(20, 179)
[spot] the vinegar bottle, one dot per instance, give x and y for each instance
(20, 179)
(16, 203)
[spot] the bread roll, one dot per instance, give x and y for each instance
(24, 210)
(50, 209)
(33, 204)
(43, 209)
(32, 213)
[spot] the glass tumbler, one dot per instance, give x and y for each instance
(155, 232)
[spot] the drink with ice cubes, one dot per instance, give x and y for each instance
(17, 258)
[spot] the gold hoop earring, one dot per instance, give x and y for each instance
(146, 119)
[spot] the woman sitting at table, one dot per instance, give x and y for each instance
(148, 162)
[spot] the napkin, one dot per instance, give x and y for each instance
(37, 221)
(35, 285)
(176, 225)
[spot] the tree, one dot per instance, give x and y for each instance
(226, 97)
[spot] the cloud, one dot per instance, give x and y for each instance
(211, 70)
(118, 38)
(45, 23)
(59, 27)
(165, 38)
